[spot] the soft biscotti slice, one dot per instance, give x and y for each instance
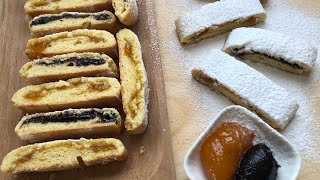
(68, 66)
(67, 21)
(126, 11)
(37, 7)
(63, 155)
(217, 18)
(73, 93)
(281, 51)
(247, 87)
(82, 40)
(70, 123)
(134, 83)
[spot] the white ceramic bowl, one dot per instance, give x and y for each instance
(285, 154)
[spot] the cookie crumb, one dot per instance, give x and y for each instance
(142, 150)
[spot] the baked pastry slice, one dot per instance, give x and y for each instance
(37, 7)
(73, 93)
(247, 87)
(69, 123)
(68, 66)
(82, 40)
(217, 18)
(63, 155)
(134, 83)
(280, 51)
(126, 11)
(67, 21)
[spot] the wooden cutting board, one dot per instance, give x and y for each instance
(191, 105)
(156, 163)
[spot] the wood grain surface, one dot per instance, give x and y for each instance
(191, 105)
(156, 163)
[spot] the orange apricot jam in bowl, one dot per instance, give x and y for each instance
(222, 151)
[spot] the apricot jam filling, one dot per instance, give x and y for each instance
(37, 48)
(136, 95)
(87, 87)
(222, 151)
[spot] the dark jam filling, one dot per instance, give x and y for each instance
(294, 65)
(47, 19)
(74, 61)
(102, 17)
(258, 163)
(68, 117)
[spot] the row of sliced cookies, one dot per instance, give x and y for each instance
(81, 92)
(72, 57)
(83, 89)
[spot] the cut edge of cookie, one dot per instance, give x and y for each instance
(38, 7)
(135, 95)
(46, 24)
(67, 66)
(274, 62)
(70, 123)
(98, 41)
(63, 155)
(91, 92)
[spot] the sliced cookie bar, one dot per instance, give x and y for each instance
(66, 66)
(73, 93)
(69, 123)
(134, 83)
(126, 11)
(67, 21)
(217, 18)
(280, 51)
(82, 40)
(247, 87)
(63, 155)
(37, 7)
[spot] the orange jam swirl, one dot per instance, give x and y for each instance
(221, 152)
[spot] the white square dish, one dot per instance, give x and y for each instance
(284, 152)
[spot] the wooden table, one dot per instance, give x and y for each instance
(187, 100)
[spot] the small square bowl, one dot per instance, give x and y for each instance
(286, 155)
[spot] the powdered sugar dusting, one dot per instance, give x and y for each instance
(270, 99)
(213, 15)
(279, 46)
(192, 106)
